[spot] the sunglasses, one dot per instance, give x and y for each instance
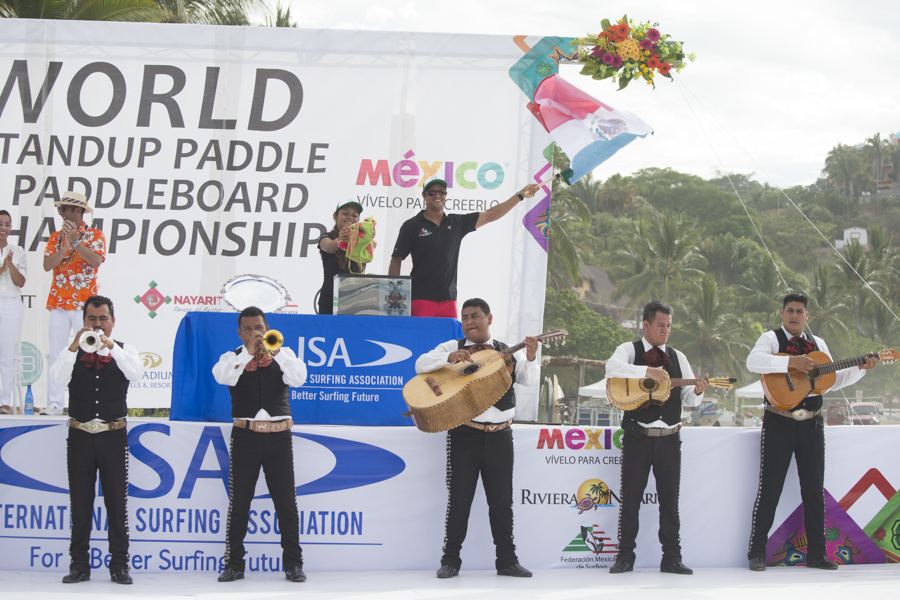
(434, 193)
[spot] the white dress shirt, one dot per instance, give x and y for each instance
(621, 364)
(231, 366)
(762, 359)
(127, 359)
(526, 373)
(7, 286)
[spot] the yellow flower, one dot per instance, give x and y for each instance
(629, 49)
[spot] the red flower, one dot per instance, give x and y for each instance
(605, 34)
(624, 30)
(653, 62)
(664, 68)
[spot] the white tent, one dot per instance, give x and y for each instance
(595, 390)
(754, 390)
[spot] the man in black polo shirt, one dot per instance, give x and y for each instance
(652, 439)
(259, 383)
(799, 432)
(483, 446)
(98, 442)
(433, 237)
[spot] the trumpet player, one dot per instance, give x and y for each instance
(98, 442)
(74, 254)
(259, 374)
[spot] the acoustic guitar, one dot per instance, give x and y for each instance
(787, 390)
(634, 394)
(452, 395)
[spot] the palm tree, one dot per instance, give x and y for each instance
(83, 10)
(858, 277)
(617, 193)
(282, 18)
(709, 330)
(210, 12)
(828, 316)
(727, 257)
(843, 168)
(566, 212)
(655, 258)
(875, 151)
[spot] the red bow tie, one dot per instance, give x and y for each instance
(478, 348)
(798, 345)
(95, 361)
(654, 357)
(258, 360)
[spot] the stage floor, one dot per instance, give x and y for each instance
(861, 581)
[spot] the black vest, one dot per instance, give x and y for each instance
(810, 402)
(670, 412)
(262, 388)
(97, 393)
(508, 400)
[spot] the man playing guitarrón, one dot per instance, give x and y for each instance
(799, 432)
(652, 438)
(483, 445)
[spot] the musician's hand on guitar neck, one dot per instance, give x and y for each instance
(657, 374)
(459, 356)
(530, 348)
(701, 387)
(801, 363)
(871, 361)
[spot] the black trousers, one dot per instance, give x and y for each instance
(273, 452)
(86, 455)
(471, 452)
(639, 456)
(782, 438)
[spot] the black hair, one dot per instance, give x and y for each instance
(795, 297)
(97, 302)
(252, 311)
(653, 307)
(477, 303)
(5, 213)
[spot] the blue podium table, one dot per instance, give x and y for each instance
(357, 366)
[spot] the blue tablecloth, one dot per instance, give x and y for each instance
(357, 366)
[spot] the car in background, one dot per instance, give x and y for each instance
(865, 413)
(709, 415)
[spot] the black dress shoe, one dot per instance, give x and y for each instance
(295, 574)
(622, 565)
(515, 570)
(821, 563)
(676, 567)
(447, 571)
(230, 574)
(121, 576)
(76, 576)
(757, 564)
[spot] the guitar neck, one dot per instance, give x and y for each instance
(840, 365)
(683, 382)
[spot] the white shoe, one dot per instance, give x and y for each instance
(53, 412)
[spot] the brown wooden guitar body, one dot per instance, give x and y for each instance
(450, 396)
(777, 386)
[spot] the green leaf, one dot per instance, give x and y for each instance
(605, 24)
(623, 82)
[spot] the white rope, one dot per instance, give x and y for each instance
(682, 87)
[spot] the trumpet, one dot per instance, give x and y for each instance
(272, 341)
(90, 341)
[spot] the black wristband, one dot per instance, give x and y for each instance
(521, 197)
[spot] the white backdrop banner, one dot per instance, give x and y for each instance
(375, 498)
(209, 152)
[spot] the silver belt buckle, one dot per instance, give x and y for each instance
(801, 414)
(94, 427)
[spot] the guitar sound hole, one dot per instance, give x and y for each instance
(470, 369)
(648, 384)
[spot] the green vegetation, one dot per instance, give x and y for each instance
(664, 235)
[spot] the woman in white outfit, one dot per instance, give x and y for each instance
(12, 278)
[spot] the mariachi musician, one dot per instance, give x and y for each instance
(483, 445)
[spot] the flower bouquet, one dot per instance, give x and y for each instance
(624, 51)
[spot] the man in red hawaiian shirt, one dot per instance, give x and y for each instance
(74, 253)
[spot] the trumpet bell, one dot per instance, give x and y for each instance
(90, 341)
(273, 340)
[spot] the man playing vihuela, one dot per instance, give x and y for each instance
(652, 439)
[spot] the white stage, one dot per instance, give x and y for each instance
(859, 581)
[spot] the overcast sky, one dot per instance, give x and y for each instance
(776, 83)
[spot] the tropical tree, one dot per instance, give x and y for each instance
(858, 276)
(655, 258)
(83, 10)
(617, 193)
(710, 330)
(210, 12)
(566, 246)
(875, 151)
(282, 17)
(844, 170)
(828, 315)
